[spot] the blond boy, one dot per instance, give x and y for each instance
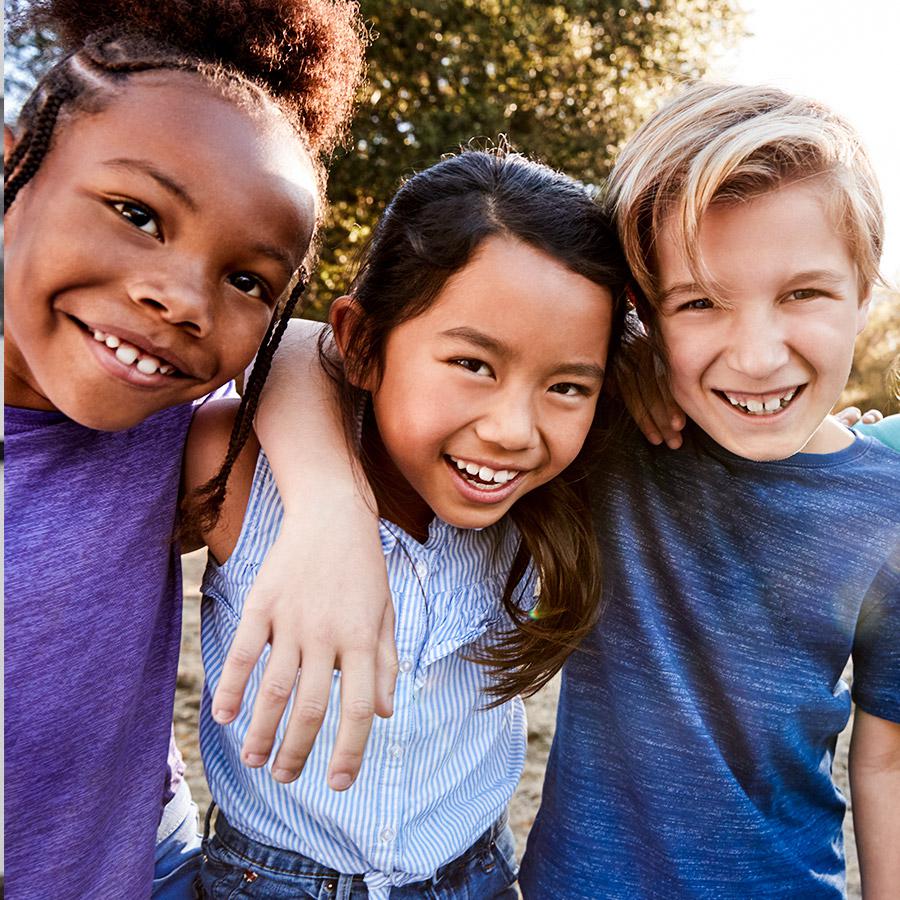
(697, 725)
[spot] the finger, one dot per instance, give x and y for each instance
(386, 666)
(871, 416)
(849, 416)
(275, 689)
(249, 640)
(673, 415)
(357, 711)
(307, 715)
(641, 415)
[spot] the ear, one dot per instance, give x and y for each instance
(9, 142)
(345, 317)
(862, 314)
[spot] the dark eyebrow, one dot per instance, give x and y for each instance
(582, 370)
(479, 339)
(282, 257)
(486, 342)
(161, 178)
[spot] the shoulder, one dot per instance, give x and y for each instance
(207, 446)
(887, 431)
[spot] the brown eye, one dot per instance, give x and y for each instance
(249, 284)
(804, 294)
(140, 216)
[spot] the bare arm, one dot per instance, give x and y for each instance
(875, 791)
(321, 598)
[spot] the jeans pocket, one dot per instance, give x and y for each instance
(221, 877)
(503, 855)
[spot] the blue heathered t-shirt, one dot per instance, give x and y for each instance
(697, 723)
(93, 626)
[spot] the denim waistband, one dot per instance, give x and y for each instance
(287, 862)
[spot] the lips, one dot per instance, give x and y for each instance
(132, 348)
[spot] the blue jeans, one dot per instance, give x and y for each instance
(235, 865)
(177, 849)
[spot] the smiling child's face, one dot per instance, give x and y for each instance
(491, 391)
(144, 260)
(760, 368)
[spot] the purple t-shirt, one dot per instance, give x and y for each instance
(93, 625)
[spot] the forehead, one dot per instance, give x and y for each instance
(223, 153)
(761, 243)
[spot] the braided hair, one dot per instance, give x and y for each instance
(304, 57)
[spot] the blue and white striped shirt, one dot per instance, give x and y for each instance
(439, 771)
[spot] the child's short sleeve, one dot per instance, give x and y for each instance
(876, 646)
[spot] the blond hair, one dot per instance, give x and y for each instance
(730, 143)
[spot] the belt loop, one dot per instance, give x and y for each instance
(208, 821)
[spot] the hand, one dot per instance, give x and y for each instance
(852, 415)
(641, 380)
(337, 614)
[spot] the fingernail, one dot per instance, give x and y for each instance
(340, 781)
(223, 716)
(283, 775)
(254, 759)
(655, 439)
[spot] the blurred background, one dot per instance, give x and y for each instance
(569, 82)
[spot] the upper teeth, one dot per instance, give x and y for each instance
(127, 354)
(485, 473)
(759, 407)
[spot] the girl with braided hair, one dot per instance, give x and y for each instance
(162, 194)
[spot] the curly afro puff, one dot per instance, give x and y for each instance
(306, 54)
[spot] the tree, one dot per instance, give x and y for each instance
(566, 82)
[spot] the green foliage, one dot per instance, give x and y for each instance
(875, 379)
(566, 82)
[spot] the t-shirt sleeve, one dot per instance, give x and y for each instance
(876, 646)
(225, 392)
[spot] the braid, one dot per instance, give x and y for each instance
(34, 145)
(207, 500)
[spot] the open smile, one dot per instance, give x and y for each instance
(769, 405)
(123, 358)
(481, 483)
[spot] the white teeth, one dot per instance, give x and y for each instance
(758, 407)
(166, 369)
(485, 473)
(148, 365)
(125, 353)
(99, 336)
(112, 341)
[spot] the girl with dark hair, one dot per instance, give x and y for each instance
(468, 358)
(162, 194)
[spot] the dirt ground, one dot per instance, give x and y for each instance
(541, 721)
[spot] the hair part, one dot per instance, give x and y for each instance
(720, 144)
(432, 229)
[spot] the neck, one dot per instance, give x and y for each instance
(19, 386)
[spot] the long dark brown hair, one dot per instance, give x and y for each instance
(430, 230)
(303, 56)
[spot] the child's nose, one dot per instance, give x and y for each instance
(509, 422)
(180, 300)
(758, 345)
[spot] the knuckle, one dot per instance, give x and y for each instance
(276, 690)
(309, 712)
(359, 710)
(242, 657)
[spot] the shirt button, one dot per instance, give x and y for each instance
(396, 751)
(422, 569)
(406, 666)
(386, 834)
